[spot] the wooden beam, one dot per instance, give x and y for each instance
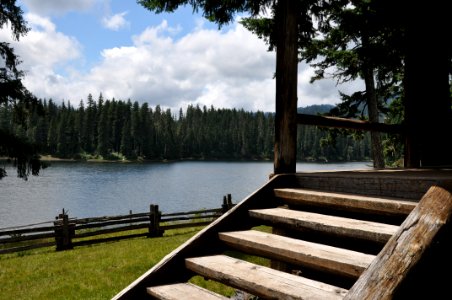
(186, 291)
(299, 252)
(405, 250)
(326, 224)
(262, 281)
(286, 87)
(335, 122)
(347, 202)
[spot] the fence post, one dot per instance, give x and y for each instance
(64, 232)
(227, 203)
(154, 221)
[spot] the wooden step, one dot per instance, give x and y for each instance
(315, 256)
(262, 281)
(186, 291)
(345, 227)
(347, 202)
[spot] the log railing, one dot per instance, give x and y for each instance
(66, 233)
(335, 122)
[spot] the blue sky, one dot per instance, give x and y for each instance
(120, 49)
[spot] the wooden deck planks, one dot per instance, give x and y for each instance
(186, 291)
(316, 256)
(347, 202)
(365, 230)
(262, 281)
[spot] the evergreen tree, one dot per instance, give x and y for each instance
(89, 143)
(392, 51)
(117, 112)
(102, 131)
(200, 133)
(135, 129)
(79, 125)
(52, 137)
(12, 91)
(63, 134)
(126, 135)
(147, 132)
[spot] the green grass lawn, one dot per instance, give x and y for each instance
(99, 271)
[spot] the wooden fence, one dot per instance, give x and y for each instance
(66, 233)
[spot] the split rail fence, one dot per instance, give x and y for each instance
(66, 233)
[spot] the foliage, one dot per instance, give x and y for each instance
(394, 144)
(348, 36)
(221, 12)
(25, 159)
(345, 40)
(12, 92)
(126, 130)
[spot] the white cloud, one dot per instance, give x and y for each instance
(227, 69)
(42, 51)
(115, 22)
(43, 46)
(325, 91)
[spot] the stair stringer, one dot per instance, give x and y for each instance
(205, 242)
(415, 262)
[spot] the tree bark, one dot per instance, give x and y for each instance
(372, 106)
(286, 87)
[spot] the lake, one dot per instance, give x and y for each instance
(102, 189)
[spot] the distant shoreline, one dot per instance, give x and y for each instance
(49, 159)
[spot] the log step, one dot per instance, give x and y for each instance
(345, 227)
(315, 256)
(262, 281)
(186, 291)
(348, 202)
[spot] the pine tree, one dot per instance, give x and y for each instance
(147, 132)
(135, 129)
(12, 91)
(126, 135)
(89, 143)
(102, 132)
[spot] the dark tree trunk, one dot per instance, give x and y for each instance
(372, 106)
(427, 89)
(286, 87)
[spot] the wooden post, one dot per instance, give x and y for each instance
(286, 87)
(64, 232)
(227, 203)
(224, 205)
(154, 221)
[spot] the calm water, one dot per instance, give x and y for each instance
(99, 189)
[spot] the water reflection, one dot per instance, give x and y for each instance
(98, 189)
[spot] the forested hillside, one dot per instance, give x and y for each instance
(116, 129)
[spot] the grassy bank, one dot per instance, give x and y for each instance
(92, 272)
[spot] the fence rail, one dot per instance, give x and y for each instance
(67, 233)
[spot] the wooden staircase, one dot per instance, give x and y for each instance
(320, 244)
